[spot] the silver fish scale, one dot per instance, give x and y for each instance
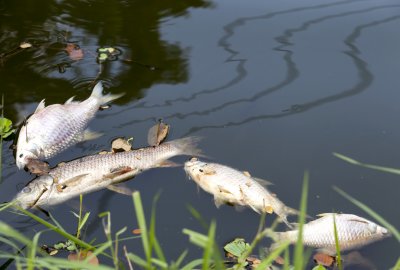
(66, 123)
(103, 164)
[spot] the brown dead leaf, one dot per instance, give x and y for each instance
(157, 133)
(82, 255)
(324, 259)
(280, 260)
(38, 167)
(74, 51)
(120, 145)
(136, 231)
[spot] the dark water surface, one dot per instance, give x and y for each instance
(273, 87)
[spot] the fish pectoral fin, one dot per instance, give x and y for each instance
(90, 135)
(121, 189)
(40, 106)
(218, 201)
(168, 163)
(263, 182)
(223, 190)
(118, 172)
(70, 100)
(73, 181)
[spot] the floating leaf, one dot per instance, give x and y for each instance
(237, 247)
(82, 255)
(74, 51)
(38, 167)
(324, 259)
(107, 53)
(120, 145)
(157, 133)
(25, 45)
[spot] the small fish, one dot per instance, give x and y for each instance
(353, 232)
(96, 172)
(234, 187)
(52, 129)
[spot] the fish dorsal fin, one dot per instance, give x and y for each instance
(40, 106)
(324, 214)
(120, 189)
(246, 173)
(262, 182)
(70, 100)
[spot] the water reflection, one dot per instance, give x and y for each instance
(132, 27)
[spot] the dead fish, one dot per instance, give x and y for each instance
(96, 172)
(353, 232)
(157, 133)
(234, 187)
(52, 129)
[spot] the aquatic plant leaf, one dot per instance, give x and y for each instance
(319, 267)
(5, 127)
(237, 247)
(365, 165)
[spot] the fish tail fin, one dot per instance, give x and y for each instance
(187, 146)
(97, 93)
(277, 237)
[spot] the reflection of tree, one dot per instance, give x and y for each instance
(129, 24)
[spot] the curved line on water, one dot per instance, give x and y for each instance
(365, 75)
(241, 71)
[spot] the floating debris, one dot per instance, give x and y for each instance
(107, 54)
(324, 259)
(74, 51)
(136, 231)
(83, 255)
(157, 133)
(38, 167)
(25, 45)
(121, 145)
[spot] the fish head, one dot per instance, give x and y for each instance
(33, 192)
(377, 231)
(194, 168)
(23, 157)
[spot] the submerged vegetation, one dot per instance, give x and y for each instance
(25, 252)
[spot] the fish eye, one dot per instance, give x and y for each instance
(26, 190)
(201, 170)
(21, 155)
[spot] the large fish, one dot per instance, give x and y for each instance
(52, 129)
(235, 187)
(352, 231)
(95, 172)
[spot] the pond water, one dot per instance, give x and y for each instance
(272, 87)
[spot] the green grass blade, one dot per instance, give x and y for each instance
(208, 249)
(365, 165)
(397, 265)
(32, 251)
(137, 260)
(142, 225)
(338, 256)
(370, 212)
(9, 232)
(57, 230)
(298, 251)
(152, 232)
(193, 264)
(180, 259)
(196, 238)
